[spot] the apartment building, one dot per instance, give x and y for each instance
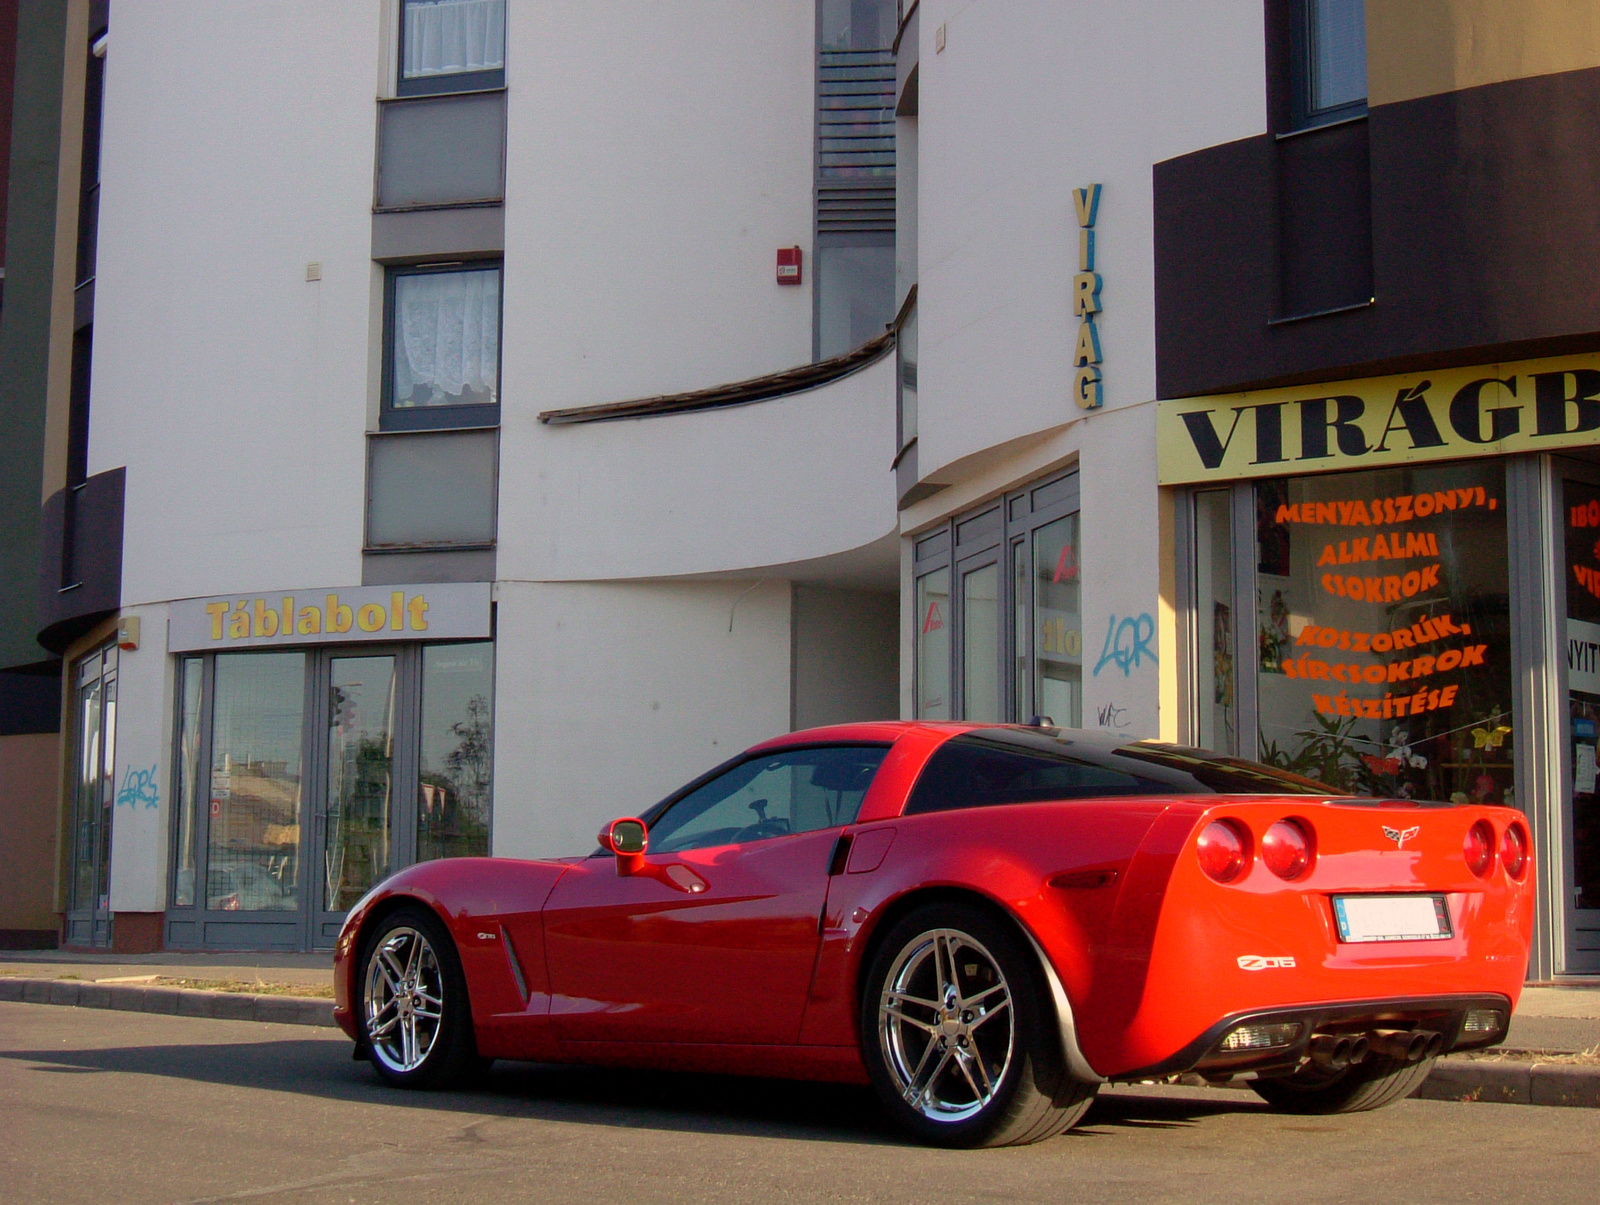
(503, 412)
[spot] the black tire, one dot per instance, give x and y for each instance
(1021, 1091)
(1374, 1082)
(439, 1013)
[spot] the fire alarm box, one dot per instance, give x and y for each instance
(788, 265)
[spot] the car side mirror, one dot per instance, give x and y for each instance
(627, 839)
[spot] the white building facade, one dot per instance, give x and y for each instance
(525, 407)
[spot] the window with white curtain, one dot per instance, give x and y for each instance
(451, 45)
(444, 347)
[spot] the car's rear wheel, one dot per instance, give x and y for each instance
(959, 1037)
(416, 1021)
(1370, 1084)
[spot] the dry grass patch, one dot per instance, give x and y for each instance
(1502, 1054)
(252, 987)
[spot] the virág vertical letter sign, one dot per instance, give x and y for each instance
(1086, 382)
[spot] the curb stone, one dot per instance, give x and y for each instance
(1464, 1080)
(171, 1001)
(1474, 1080)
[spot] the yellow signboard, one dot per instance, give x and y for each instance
(1447, 414)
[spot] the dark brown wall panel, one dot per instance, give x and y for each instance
(1485, 224)
(80, 570)
(1324, 220)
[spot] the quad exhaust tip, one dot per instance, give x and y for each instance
(1406, 1045)
(1336, 1051)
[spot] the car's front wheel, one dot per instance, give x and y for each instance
(416, 1022)
(959, 1036)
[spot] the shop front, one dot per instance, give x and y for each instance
(322, 740)
(999, 634)
(1393, 586)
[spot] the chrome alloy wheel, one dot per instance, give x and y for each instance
(404, 999)
(946, 1025)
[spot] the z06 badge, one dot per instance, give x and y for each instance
(1264, 962)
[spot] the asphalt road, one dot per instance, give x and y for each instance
(134, 1108)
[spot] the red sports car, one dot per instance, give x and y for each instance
(984, 922)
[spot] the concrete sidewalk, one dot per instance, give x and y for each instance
(282, 970)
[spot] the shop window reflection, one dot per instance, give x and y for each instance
(188, 780)
(1215, 685)
(980, 644)
(454, 789)
(254, 829)
(361, 727)
(1058, 623)
(1581, 501)
(1383, 631)
(933, 645)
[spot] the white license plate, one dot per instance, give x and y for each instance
(1391, 917)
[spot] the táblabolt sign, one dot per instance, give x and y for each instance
(342, 615)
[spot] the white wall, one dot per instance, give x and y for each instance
(609, 696)
(846, 656)
(238, 146)
(141, 817)
(1027, 101)
(766, 484)
(657, 156)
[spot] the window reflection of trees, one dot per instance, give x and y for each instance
(453, 803)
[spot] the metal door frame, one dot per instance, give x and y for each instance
(91, 926)
(323, 924)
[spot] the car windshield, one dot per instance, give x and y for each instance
(995, 766)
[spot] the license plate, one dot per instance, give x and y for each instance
(1391, 917)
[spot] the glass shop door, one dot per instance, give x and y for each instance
(356, 809)
(1578, 520)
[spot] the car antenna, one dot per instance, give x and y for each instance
(1041, 721)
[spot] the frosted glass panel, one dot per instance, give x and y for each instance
(431, 490)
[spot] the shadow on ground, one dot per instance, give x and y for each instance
(708, 1104)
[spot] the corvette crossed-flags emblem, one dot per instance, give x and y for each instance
(1401, 836)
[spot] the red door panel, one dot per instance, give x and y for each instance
(647, 958)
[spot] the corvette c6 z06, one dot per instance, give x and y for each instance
(983, 922)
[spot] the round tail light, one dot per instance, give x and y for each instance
(1286, 849)
(1514, 851)
(1222, 850)
(1478, 848)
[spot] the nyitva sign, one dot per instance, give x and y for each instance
(343, 614)
(1531, 406)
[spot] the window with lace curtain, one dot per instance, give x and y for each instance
(442, 336)
(451, 46)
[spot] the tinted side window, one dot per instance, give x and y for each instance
(794, 791)
(973, 771)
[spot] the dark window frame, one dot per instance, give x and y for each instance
(446, 417)
(1302, 114)
(441, 85)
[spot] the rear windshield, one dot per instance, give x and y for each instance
(1003, 765)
